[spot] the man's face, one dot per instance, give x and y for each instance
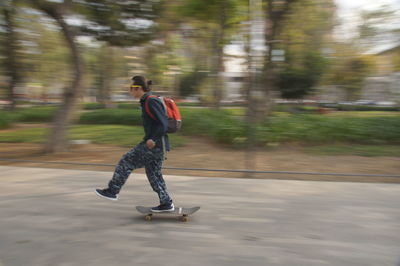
(135, 90)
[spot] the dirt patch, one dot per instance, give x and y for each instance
(201, 153)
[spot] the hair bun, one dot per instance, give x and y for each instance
(149, 82)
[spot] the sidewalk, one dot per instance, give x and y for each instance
(53, 217)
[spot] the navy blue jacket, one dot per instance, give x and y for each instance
(155, 129)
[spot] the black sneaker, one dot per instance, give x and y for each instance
(107, 193)
(164, 208)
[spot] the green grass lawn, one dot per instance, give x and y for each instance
(364, 114)
(372, 131)
(100, 134)
(30, 135)
(128, 136)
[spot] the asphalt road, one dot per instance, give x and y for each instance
(53, 217)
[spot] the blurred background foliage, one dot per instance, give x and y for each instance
(228, 63)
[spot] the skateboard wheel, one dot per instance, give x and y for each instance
(147, 217)
(185, 219)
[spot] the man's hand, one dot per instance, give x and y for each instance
(150, 143)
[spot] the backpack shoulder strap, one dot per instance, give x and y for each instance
(146, 105)
(162, 99)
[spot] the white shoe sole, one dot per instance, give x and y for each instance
(98, 194)
(171, 210)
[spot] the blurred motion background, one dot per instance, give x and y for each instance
(250, 75)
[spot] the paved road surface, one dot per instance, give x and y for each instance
(52, 217)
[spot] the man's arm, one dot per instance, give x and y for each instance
(157, 109)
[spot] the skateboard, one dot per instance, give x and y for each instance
(180, 211)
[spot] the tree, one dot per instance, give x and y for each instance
(116, 22)
(164, 62)
(190, 82)
(57, 140)
(119, 22)
(263, 69)
(39, 53)
(297, 28)
(275, 15)
(378, 27)
(295, 83)
(303, 44)
(218, 18)
(104, 65)
(350, 75)
(44, 56)
(8, 9)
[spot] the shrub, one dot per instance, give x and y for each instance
(93, 106)
(112, 116)
(5, 120)
(220, 125)
(35, 114)
(132, 105)
(317, 129)
(367, 108)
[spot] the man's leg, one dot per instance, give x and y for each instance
(133, 159)
(154, 175)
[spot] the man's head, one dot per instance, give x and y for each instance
(139, 86)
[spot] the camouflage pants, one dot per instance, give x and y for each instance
(141, 156)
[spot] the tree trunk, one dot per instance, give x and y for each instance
(257, 94)
(275, 16)
(58, 141)
(105, 70)
(214, 74)
(11, 60)
(268, 77)
(218, 62)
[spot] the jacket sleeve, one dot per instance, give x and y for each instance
(157, 109)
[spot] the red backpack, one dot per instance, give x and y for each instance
(171, 110)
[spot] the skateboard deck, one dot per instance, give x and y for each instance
(179, 211)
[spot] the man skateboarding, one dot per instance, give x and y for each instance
(150, 153)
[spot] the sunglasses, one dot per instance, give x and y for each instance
(135, 87)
